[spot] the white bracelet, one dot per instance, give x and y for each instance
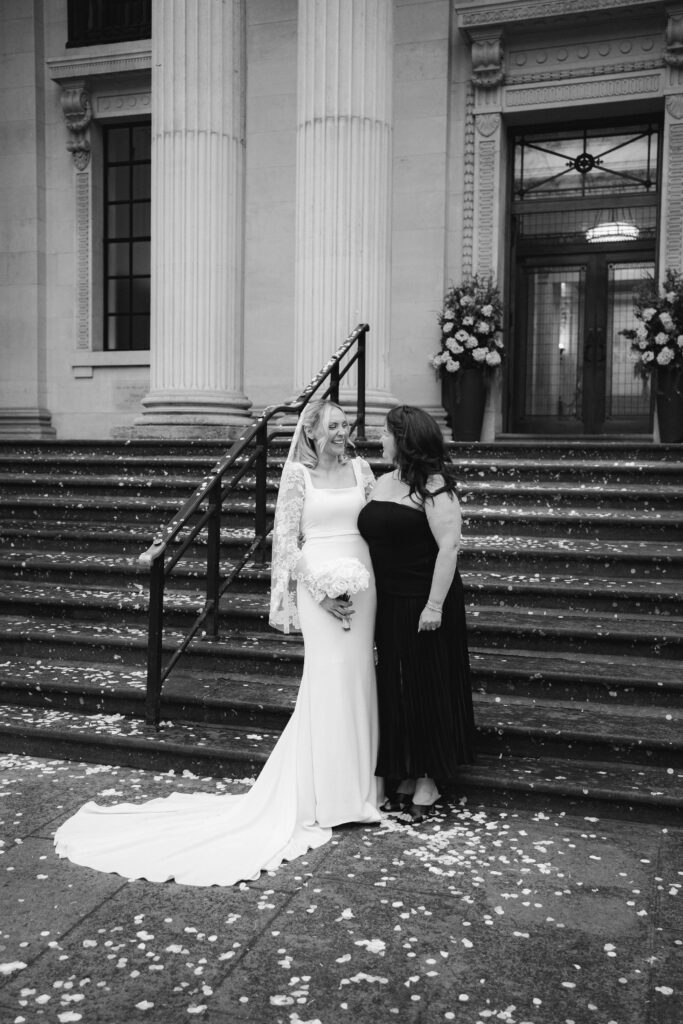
(434, 607)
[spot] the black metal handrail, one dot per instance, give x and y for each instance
(250, 449)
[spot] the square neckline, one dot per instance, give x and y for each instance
(347, 487)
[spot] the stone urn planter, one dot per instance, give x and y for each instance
(463, 396)
(669, 401)
(471, 351)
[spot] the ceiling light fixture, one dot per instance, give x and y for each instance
(619, 229)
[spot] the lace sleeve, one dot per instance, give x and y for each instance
(367, 478)
(287, 542)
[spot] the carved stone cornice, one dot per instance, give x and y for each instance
(74, 68)
(487, 58)
(481, 13)
(75, 100)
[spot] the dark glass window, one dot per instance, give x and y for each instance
(91, 22)
(589, 162)
(127, 201)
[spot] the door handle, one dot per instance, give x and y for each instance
(589, 348)
(600, 347)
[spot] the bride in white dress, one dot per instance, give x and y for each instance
(321, 771)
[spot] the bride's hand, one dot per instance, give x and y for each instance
(341, 608)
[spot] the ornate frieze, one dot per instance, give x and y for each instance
(593, 71)
(467, 244)
(578, 59)
(123, 103)
(83, 283)
(75, 100)
(481, 14)
(583, 91)
(486, 191)
(673, 222)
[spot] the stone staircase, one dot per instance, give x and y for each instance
(573, 566)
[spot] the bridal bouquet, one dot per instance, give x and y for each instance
(339, 578)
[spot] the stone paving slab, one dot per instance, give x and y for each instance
(524, 916)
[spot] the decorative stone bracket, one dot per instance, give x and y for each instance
(75, 100)
(673, 54)
(487, 57)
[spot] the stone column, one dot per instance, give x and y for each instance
(196, 376)
(345, 50)
(23, 317)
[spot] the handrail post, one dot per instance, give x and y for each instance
(213, 547)
(261, 467)
(334, 383)
(155, 642)
(360, 401)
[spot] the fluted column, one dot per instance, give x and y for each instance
(345, 50)
(196, 376)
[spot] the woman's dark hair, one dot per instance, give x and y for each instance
(420, 451)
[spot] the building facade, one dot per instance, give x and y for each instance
(199, 200)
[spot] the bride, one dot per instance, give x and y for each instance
(321, 771)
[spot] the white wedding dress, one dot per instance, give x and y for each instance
(321, 771)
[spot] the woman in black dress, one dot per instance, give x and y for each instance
(412, 525)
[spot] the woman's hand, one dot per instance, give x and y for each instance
(340, 607)
(429, 620)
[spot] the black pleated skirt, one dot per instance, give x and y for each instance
(426, 720)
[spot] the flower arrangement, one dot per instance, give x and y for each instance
(339, 578)
(470, 321)
(657, 341)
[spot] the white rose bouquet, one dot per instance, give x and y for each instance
(470, 322)
(657, 341)
(338, 578)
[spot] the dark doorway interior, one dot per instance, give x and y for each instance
(584, 230)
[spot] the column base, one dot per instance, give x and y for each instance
(187, 415)
(377, 405)
(26, 424)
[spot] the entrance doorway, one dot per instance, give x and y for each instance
(583, 238)
(574, 373)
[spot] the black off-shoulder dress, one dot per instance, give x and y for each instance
(426, 720)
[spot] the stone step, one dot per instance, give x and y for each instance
(483, 487)
(244, 613)
(235, 751)
(511, 447)
(502, 519)
(255, 693)
(88, 580)
(564, 675)
(510, 723)
(643, 558)
(517, 725)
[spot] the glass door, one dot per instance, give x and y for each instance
(584, 203)
(574, 373)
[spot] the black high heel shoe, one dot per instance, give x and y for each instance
(416, 814)
(396, 803)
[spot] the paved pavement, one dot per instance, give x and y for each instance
(509, 914)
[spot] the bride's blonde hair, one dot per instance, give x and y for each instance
(314, 420)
